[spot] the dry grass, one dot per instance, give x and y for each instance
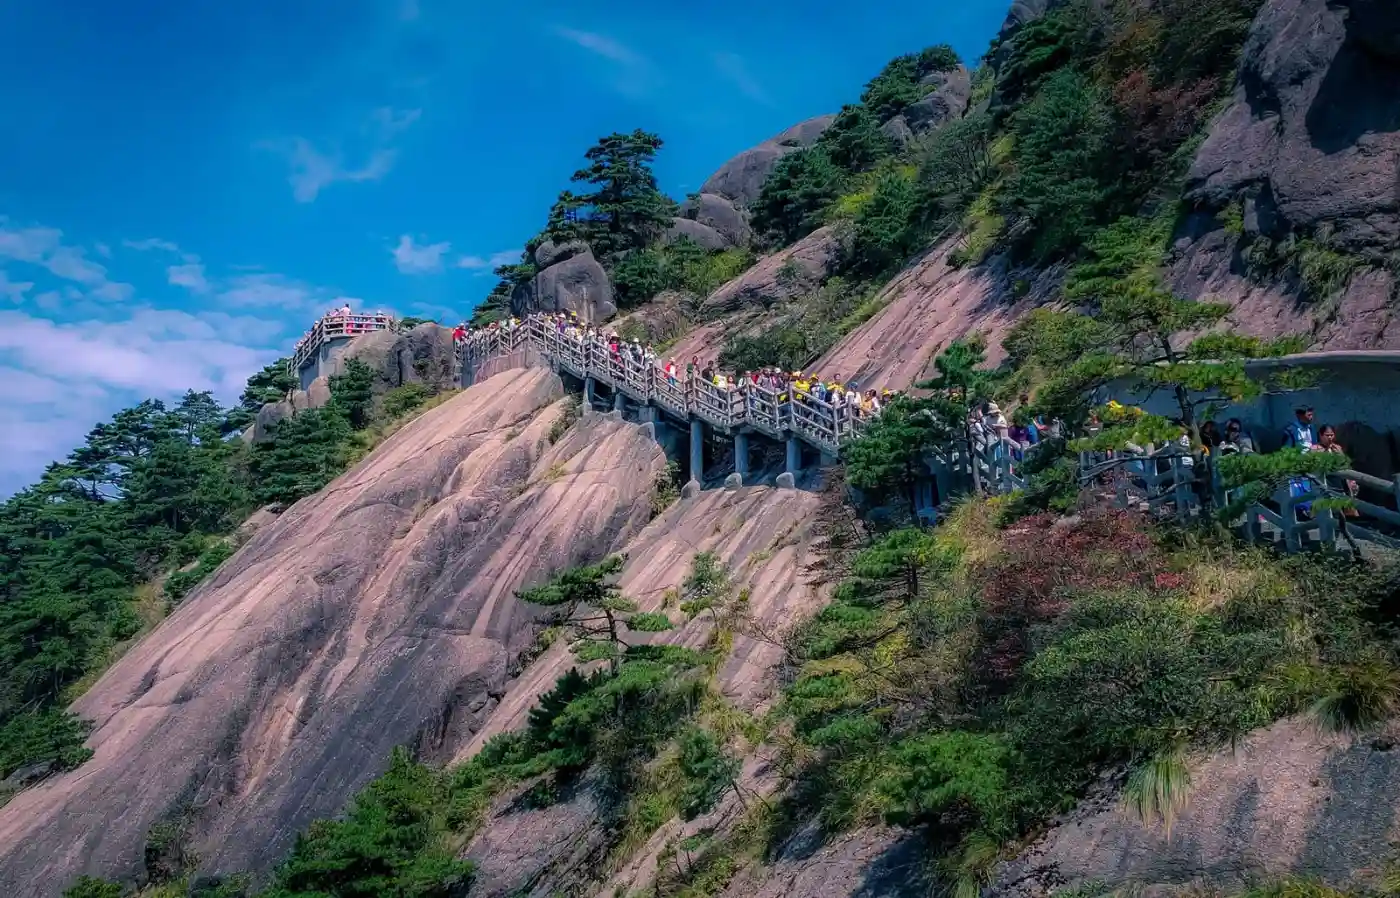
(151, 607)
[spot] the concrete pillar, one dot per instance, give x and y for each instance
(619, 401)
(794, 456)
(741, 454)
(590, 389)
(697, 449)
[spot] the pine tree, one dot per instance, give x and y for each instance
(594, 613)
(626, 209)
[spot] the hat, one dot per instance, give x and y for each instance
(993, 408)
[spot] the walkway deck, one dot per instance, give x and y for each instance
(772, 413)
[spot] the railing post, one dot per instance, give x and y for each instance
(697, 451)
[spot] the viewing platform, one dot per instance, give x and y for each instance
(321, 345)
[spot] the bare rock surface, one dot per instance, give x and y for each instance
(741, 178)
(764, 535)
(577, 283)
(794, 271)
(549, 253)
(947, 101)
(1288, 801)
(701, 234)
(378, 612)
(870, 863)
(1363, 316)
(1312, 136)
(929, 305)
(722, 215)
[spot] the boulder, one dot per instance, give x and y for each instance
(947, 101)
(794, 271)
(741, 178)
(267, 418)
(1311, 138)
(806, 133)
(1021, 13)
(704, 235)
(722, 215)
(897, 129)
(26, 776)
(550, 253)
(578, 284)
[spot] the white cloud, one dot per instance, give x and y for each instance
(266, 290)
(13, 290)
(634, 76)
(45, 248)
(69, 376)
(103, 250)
(479, 263)
(413, 258)
(151, 243)
(732, 67)
(312, 169)
(190, 276)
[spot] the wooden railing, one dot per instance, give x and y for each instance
(774, 413)
(1171, 482)
(991, 465)
(332, 327)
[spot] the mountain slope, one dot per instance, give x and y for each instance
(378, 612)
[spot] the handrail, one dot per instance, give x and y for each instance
(775, 413)
(335, 326)
(1177, 487)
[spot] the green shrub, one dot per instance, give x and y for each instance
(1323, 270)
(795, 196)
(178, 584)
(91, 887)
(1067, 177)
(890, 228)
(854, 141)
(404, 399)
(51, 736)
(898, 84)
(573, 411)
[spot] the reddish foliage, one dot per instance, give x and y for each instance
(1159, 119)
(1042, 566)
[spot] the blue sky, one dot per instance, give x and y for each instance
(185, 185)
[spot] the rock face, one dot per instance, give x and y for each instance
(577, 284)
(794, 271)
(378, 612)
(1287, 801)
(740, 179)
(702, 234)
(423, 355)
(1311, 139)
(550, 253)
(926, 307)
(720, 214)
(947, 101)
(763, 534)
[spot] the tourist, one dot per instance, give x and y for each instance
(1327, 442)
(1299, 434)
(1235, 441)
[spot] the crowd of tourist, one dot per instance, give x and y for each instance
(803, 387)
(354, 324)
(992, 433)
